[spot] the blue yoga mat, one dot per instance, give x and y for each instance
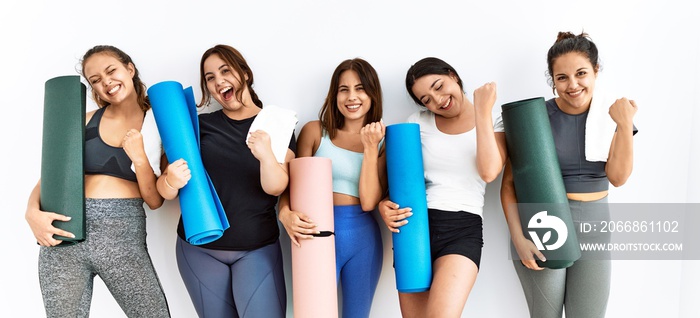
(404, 161)
(174, 109)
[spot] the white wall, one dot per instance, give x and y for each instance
(650, 50)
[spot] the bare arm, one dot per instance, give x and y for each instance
(372, 184)
(525, 248)
(490, 146)
(273, 175)
(297, 224)
(145, 177)
(620, 160)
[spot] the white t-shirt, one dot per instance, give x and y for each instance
(498, 125)
(452, 181)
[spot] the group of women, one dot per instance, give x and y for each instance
(241, 274)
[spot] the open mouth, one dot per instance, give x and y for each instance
(353, 107)
(226, 93)
(447, 104)
(114, 89)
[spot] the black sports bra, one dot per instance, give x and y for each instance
(101, 158)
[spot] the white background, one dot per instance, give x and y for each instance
(650, 50)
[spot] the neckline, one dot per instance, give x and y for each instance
(99, 121)
(237, 121)
(325, 136)
(433, 118)
(556, 106)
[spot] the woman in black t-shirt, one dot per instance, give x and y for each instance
(242, 271)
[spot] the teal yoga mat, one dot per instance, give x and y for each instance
(62, 153)
(404, 164)
(542, 203)
(174, 109)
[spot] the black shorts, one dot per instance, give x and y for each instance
(459, 233)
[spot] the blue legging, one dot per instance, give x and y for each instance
(358, 258)
(233, 283)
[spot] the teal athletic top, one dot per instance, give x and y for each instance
(346, 166)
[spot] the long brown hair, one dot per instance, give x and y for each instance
(125, 59)
(235, 60)
(329, 115)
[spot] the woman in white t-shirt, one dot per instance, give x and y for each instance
(461, 153)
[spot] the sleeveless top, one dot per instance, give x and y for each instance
(346, 166)
(569, 132)
(101, 158)
(580, 175)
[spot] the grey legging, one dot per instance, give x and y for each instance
(114, 249)
(583, 288)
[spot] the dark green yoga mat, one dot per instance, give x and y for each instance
(62, 152)
(542, 203)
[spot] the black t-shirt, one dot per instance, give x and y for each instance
(235, 173)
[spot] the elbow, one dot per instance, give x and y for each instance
(369, 201)
(275, 191)
(490, 172)
(367, 207)
(488, 177)
(617, 182)
(275, 188)
(619, 179)
(368, 204)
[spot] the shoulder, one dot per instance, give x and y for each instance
(210, 117)
(89, 115)
(419, 116)
(309, 139)
(311, 131)
(551, 105)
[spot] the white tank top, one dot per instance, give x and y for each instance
(452, 180)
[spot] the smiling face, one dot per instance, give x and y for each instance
(352, 100)
(441, 94)
(574, 80)
(223, 83)
(110, 78)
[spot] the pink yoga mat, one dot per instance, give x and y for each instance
(313, 264)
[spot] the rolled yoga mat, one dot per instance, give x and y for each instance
(313, 264)
(174, 109)
(62, 152)
(542, 202)
(404, 164)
